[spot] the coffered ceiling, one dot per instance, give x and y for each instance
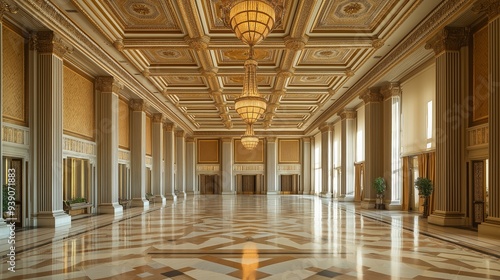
(188, 60)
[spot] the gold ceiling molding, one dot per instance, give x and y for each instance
(296, 44)
(490, 7)
(7, 8)
(198, 43)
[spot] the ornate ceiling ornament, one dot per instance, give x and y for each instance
(352, 8)
(295, 44)
(198, 43)
(6, 7)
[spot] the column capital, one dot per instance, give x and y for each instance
(306, 139)
(190, 139)
(50, 42)
(271, 139)
(157, 117)
(325, 127)
(226, 139)
(108, 84)
(390, 89)
(448, 39)
(347, 114)
(372, 95)
(169, 126)
(490, 7)
(180, 133)
(137, 105)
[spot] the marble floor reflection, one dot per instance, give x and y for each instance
(254, 237)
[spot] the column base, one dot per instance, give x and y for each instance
(346, 198)
(393, 205)
(160, 199)
(229, 193)
(368, 204)
(446, 219)
(5, 228)
(273, 192)
(53, 219)
(327, 195)
(490, 227)
(140, 202)
(110, 208)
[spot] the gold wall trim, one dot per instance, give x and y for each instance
(289, 167)
(15, 135)
(208, 167)
(149, 161)
(248, 167)
(288, 150)
(80, 146)
(123, 155)
(478, 135)
(208, 151)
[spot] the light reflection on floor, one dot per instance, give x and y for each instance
(256, 237)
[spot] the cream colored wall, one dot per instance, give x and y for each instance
(416, 92)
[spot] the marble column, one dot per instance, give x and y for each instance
(191, 187)
(49, 130)
(169, 160)
(271, 166)
(392, 145)
(306, 165)
(373, 144)
(313, 167)
(138, 153)
(180, 178)
(348, 137)
(326, 160)
(107, 89)
(450, 144)
(157, 157)
(492, 224)
(227, 167)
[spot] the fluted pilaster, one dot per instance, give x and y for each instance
(180, 175)
(227, 166)
(326, 160)
(138, 153)
(169, 160)
(348, 134)
(392, 144)
(107, 145)
(373, 144)
(190, 166)
(157, 158)
(271, 165)
(492, 224)
(306, 165)
(49, 131)
(450, 141)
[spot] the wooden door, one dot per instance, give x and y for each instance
(248, 184)
(286, 184)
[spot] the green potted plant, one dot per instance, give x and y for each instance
(5, 200)
(424, 187)
(379, 185)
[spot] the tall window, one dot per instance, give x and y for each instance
(317, 163)
(429, 124)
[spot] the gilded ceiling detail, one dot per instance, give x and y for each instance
(196, 63)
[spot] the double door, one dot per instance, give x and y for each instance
(13, 171)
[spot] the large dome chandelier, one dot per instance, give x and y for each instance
(249, 140)
(252, 20)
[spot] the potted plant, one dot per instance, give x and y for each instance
(379, 185)
(424, 187)
(5, 200)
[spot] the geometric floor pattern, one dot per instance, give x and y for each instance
(252, 237)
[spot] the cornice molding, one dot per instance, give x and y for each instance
(490, 7)
(7, 8)
(56, 20)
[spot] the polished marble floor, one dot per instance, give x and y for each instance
(253, 237)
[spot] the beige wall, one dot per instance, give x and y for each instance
(13, 82)
(416, 92)
(78, 104)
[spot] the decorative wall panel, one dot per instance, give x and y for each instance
(289, 151)
(13, 87)
(480, 75)
(243, 155)
(16, 135)
(79, 146)
(124, 125)
(78, 104)
(208, 151)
